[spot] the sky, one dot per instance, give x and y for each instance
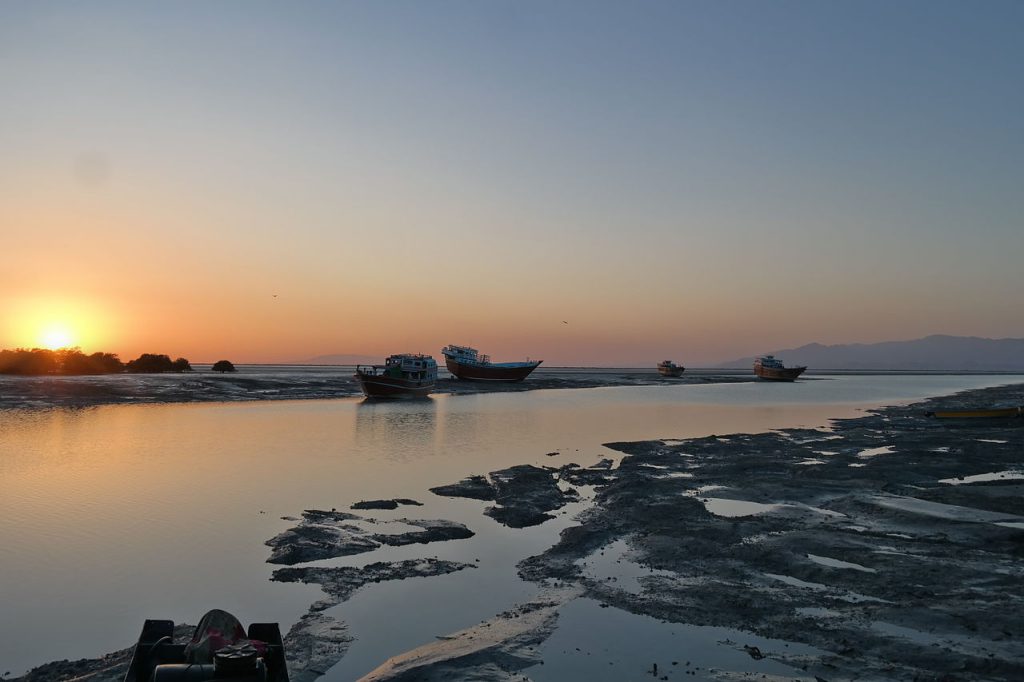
(584, 182)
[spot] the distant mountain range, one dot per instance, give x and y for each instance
(938, 352)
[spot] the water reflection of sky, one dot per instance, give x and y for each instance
(113, 514)
(610, 645)
(399, 431)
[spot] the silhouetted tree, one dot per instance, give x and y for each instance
(64, 361)
(106, 363)
(29, 362)
(223, 366)
(74, 361)
(151, 363)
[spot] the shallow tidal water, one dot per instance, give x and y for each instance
(110, 515)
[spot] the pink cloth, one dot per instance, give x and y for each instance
(216, 630)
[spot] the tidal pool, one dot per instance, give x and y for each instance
(110, 515)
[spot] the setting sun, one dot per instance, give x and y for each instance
(56, 336)
(55, 321)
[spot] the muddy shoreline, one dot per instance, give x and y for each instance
(860, 550)
(887, 547)
(878, 545)
(204, 386)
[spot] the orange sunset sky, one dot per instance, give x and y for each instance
(579, 182)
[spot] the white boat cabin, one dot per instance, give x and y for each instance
(465, 355)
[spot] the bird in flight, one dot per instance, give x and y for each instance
(564, 322)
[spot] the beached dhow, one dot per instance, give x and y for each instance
(667, 368)
(405, 375)
(468, 364)
(770, 368)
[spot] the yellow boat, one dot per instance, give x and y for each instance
(977, 414)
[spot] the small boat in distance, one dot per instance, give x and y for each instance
(770, 368)
(469, 365)
(667, 368)
(405, 375)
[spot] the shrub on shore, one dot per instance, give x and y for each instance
(73, 362)
(97, 363)
(152, 363)
(223, 366)
(66, 361)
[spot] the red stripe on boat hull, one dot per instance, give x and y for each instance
(772, 374)
(490, 372)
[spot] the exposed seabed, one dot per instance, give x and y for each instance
(312, 384)
(887, 547)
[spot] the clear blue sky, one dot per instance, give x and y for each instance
(697, 180)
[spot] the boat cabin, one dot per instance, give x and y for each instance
(465, 354)
(408, 366)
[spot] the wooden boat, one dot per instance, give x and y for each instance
(770, 368)
(470, 365)
(405, 375)
(996, 413)
(667, 368)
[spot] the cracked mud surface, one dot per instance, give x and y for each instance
(319, 640)
(845, 542)
(863, 553)
(888, 547)
(330, 534)
(523, 494)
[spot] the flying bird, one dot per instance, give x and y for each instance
(564, 322)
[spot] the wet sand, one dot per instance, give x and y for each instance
(887, 547)
(879, 549)
(891, 544)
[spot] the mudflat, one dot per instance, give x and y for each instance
(301, 384)
(886, 547)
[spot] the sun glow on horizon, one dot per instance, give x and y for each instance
(56, 335)
(54, 322)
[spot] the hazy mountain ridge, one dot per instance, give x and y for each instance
(936, 352)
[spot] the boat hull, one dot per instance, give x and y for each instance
(393, 387)
(671, 371)
(775, 374)
(510, 371)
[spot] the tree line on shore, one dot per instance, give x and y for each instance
(72, 361)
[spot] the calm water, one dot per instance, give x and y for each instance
(110, 515)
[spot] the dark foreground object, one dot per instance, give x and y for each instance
(212, 655)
